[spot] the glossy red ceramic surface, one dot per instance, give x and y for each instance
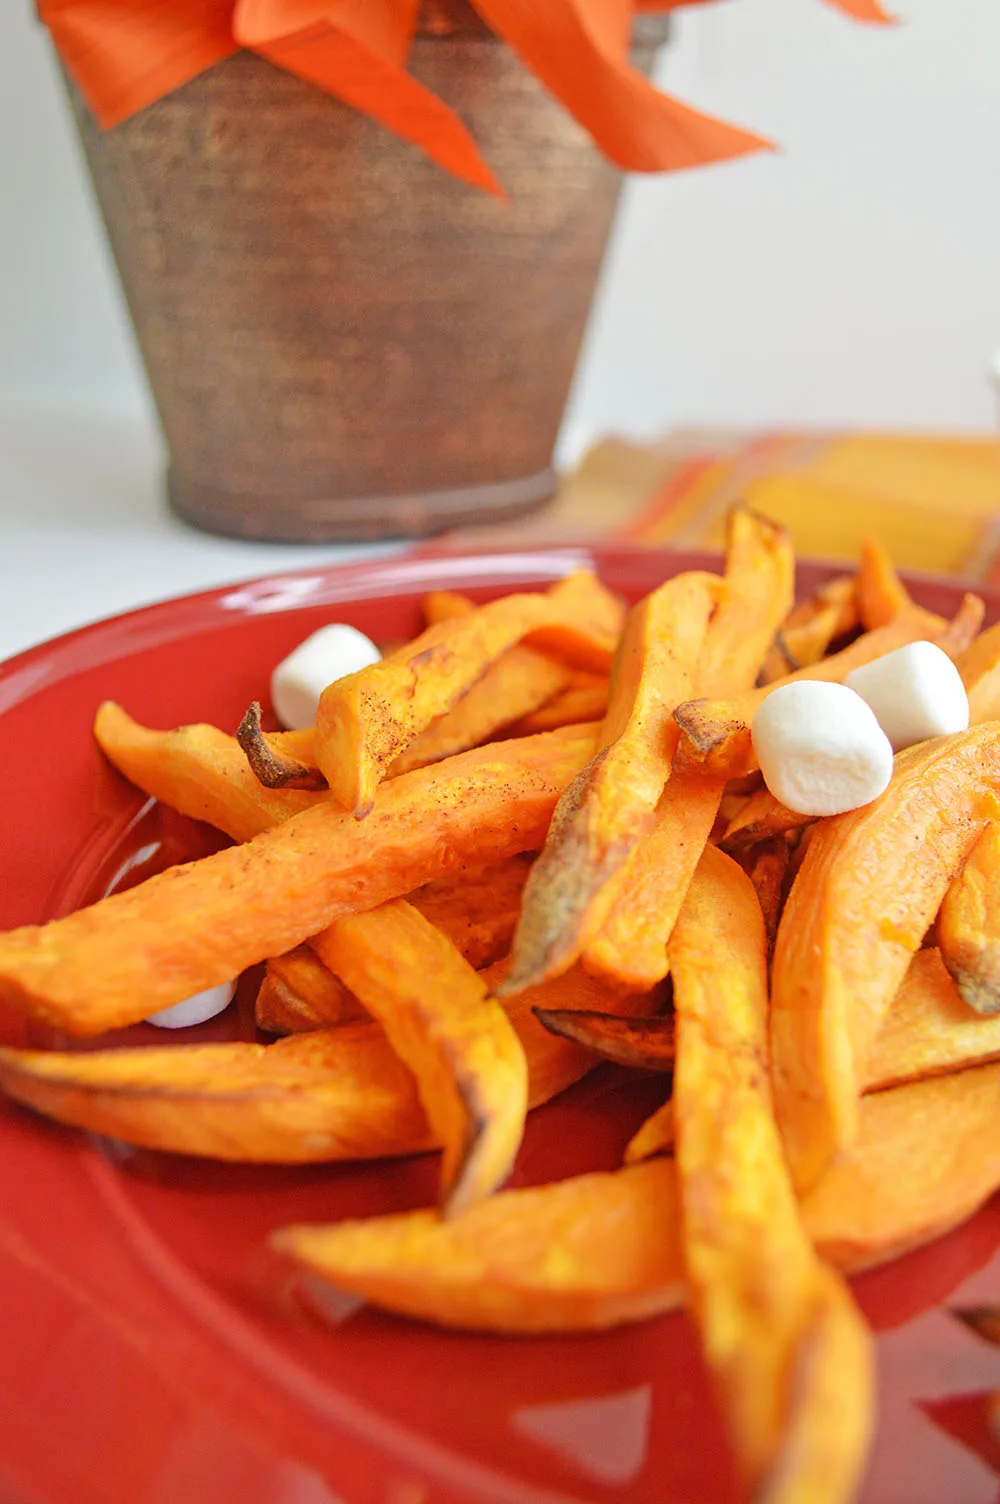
(152, 1352)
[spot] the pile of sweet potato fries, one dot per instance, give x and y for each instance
(536, 836)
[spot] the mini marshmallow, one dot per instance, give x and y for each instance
(328, 654)
(915, 692)
(820, 748)
(195, 1010)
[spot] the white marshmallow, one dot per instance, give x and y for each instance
(328, 654)
(820, 748)
(195, 1010)
(915, 692)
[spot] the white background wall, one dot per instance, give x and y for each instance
(853, 278)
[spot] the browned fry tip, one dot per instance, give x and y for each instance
(983, 1320)
(273, 769)
(647, 1043)
(714, 739)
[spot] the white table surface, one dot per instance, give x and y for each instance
(85, 531)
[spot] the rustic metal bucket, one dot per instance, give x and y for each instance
(342, 341)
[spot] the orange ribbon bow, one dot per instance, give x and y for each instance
(124, 54)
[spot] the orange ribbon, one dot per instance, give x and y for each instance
(124, 54)
(578, 48)
(356, 50)
(864, 10)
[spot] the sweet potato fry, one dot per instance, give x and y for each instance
(647, 1043)
(657, 1135)
(809, 628)
(286, 751)
(586, 598)
(299, 993)
(960, 632)
(366, 720)
(881, 594)
(522, 679)
(630, 948)
(856, 915)
(579, 1255)
(278, 1011)
(766, 865)
(830, 1419)
(979, 666)
(909, 626)
(841, 592)
(809, 641)
(590, 600)
(446, 605)
(272, 764)
(470, 1068)
(511, 690)
(477, 911)
(198, 770)
(759, 590)
(716, 733)
(797, 647)
(518, 683)
(607, 807)
(555, 1062)
(731, 806)
(200, 924)
(968, 925)
(300, 745)
(767, 1310)
(926, 1157)
(477, 908)
(332, 1094)
(761, 818)
(349, 1097)
(928, 1029)
(586, 699)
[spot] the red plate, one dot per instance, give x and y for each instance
(152, 1352)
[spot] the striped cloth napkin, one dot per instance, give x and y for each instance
(933, 502)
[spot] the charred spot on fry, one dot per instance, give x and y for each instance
(983, 1320)
(271, 767)
(646, 1043)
